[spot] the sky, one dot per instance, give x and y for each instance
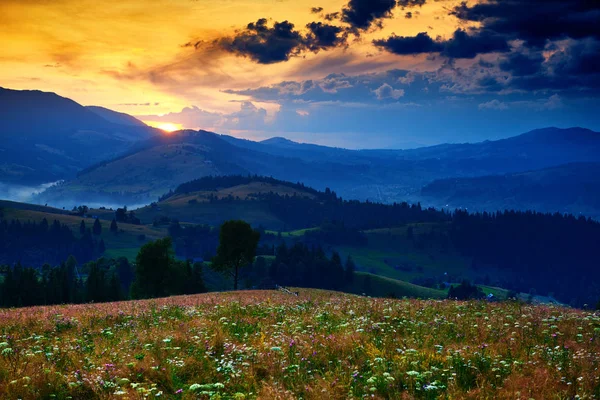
(348, 73)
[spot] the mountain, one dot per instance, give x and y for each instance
(156, 165)
(116, 117)
(310, 152)
(106, 156)
(46, 137)
(571, 188)
(533, 150)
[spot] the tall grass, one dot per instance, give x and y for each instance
(319, 345)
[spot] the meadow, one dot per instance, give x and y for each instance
(317, 345)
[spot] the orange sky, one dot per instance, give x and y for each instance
(119, 53)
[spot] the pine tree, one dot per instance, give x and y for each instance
(113, 226)
(97, 230)
(337, 271)
(82, 227)
(350, 269)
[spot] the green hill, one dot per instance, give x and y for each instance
(126, 242)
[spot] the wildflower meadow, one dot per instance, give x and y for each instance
(317, 345)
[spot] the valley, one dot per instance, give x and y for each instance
(399, 250)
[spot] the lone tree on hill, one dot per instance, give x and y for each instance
(154, 267)
(237, 249)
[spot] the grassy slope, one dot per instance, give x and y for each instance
(318, 345)
(195, 207)
(175, 165)
(124, 243)
(391, 254)
(6, 204)
(387, 287)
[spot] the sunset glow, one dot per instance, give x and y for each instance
(323, 72)
(164, 126)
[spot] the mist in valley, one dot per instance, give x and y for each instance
(36, 194)
(23, 193)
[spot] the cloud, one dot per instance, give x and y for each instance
(552, 103)
(316, 10)
(263, 44)
(269, 45)
(493, 105)
(464, 45)
(411, 3)
(333, 83)
(189, 117)
(461, 45)
(139, 104)
(385, 91)
(323, 36)
(535, 21)
(409, 45)
(578, 58)
(522, 64)
(362, 14)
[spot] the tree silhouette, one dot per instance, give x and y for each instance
(350, 269)
(154, 266)
(237, 249)
(97, 230)
(113, 226)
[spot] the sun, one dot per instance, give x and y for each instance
(164, 126)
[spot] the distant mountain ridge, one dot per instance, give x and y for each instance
(116, 117)
(571, 188)
(47, 137)
(103, 154)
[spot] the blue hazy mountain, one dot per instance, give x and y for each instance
(116, 117)
(101, 153)
(571, 188)
(46, 137)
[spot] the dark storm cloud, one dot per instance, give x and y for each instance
(316, 10)
(535, 21)
(411, 3)
(268, 45)
(264, 44)
(573, 67)
(581, 59)
(461, 45)
(362, 14)
(520, 64)
(324, 36)
(409, 45)
(465, 45)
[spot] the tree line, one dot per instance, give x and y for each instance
(554, 254)
(35, 243)
(158, 273)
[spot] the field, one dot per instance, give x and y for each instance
(318, 345)
(389, 253)
(381, 286)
